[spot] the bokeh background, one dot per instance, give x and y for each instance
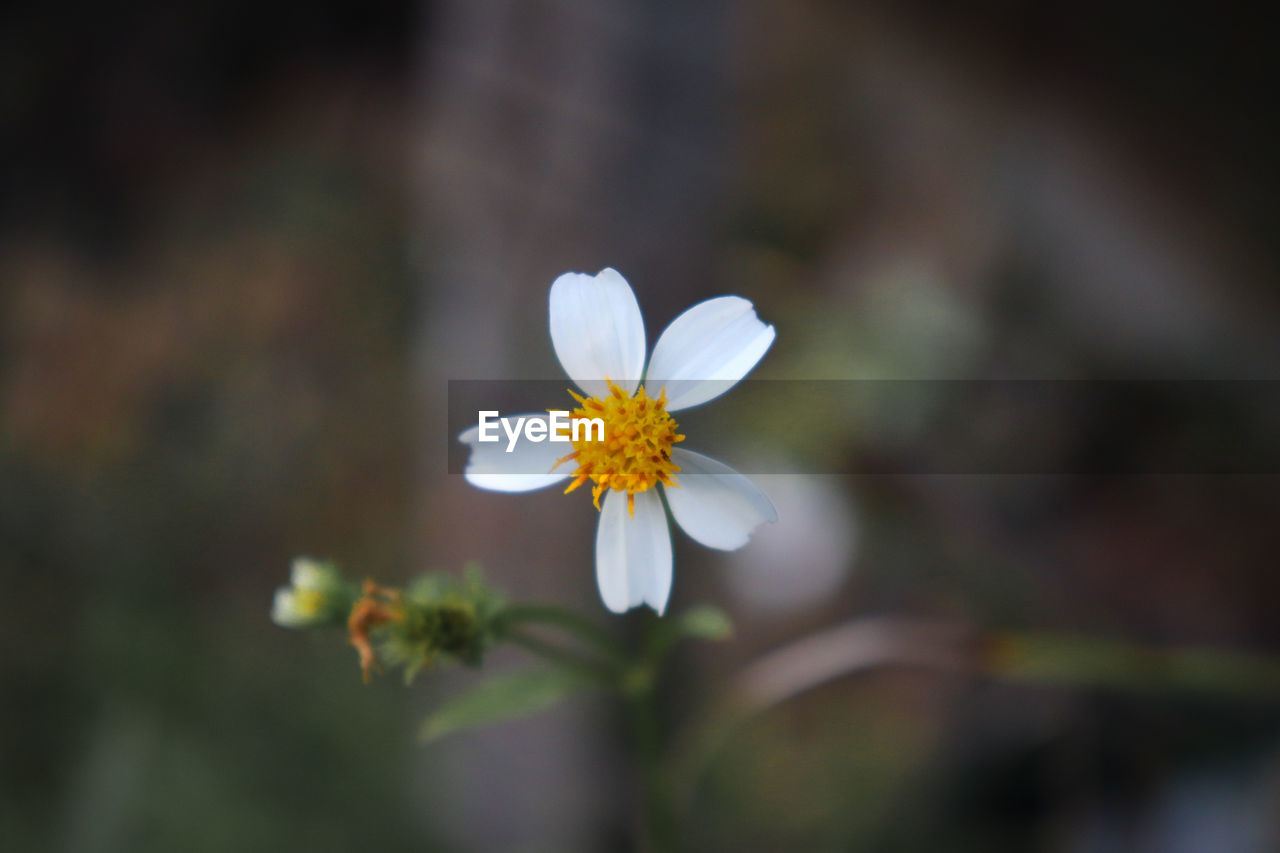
(244, 246)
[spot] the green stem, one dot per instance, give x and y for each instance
(659, 826)
(1080, 660)
(603, 672)
(577, 625)
(640, 687)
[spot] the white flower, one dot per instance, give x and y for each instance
(308, 598)
(598, 335)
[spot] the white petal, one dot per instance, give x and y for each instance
(307, 573)
(633, 554)
(706, 350)
(284, 609)
(714, 504)
(528, 465)
(597, 331)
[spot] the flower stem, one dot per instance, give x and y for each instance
(567, 620)
(658, 817)
(554, 653)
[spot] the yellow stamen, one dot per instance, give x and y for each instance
(636, 451)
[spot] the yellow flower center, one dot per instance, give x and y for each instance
(309, 602)
(636, 451)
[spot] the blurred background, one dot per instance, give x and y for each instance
(244, 246)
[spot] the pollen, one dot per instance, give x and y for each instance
(635, 454)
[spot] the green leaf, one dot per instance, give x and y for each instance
(706, 623)
(506, 696)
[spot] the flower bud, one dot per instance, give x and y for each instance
(316, 595)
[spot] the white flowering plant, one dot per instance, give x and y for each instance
(637, 475)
